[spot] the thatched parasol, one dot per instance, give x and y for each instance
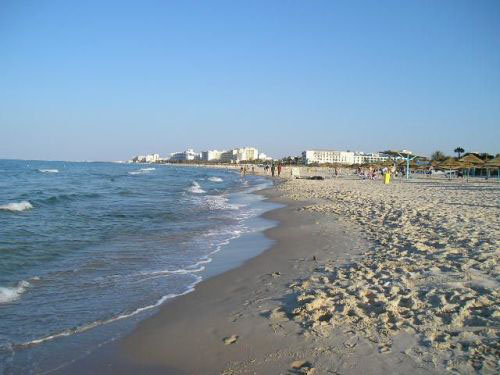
(493, 163)
(472, 159)
(450, 163)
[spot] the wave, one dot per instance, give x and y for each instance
(10, 294)
(142, 171)
(181, 271)
(48, 170)
(196, 188)
(20, 206)
(220, 202)
(215, 179)
(97, 323)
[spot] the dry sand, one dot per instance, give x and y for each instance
(363, 279)
(432, 272)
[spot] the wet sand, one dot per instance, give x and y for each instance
(361, 279)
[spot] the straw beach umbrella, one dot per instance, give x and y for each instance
(450, 164)
(493, 164)
(472, 161)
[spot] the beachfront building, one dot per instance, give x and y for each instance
(152, 158)
(237, 155)
(328, 156)
(374, 157)
(189, 154)
(211, 155)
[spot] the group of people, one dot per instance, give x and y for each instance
(273, 168)
(374, 173)
(244, 171)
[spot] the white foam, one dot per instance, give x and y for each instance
(220, 202)
(181, 271)
(17, 206)
(10, 294)
(142, 171)
(195, 188)
(48, 170)
(215, 179)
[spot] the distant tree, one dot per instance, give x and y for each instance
(438, 156)
(459, 150)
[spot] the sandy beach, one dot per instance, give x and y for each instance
(362, 278)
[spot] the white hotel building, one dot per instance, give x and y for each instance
(211, 155)
(328, 156)
(239, 154)
(189, 154)
(341, 157)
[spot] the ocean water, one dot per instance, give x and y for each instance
(88, 249)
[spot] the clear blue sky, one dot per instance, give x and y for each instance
(105, 80)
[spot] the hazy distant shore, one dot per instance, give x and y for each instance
(362, 278)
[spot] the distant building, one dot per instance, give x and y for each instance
(328, 156)
(363, 158)
(152, 158)
(139, 159)
(211, 155)
(189, 154)
(239, 154)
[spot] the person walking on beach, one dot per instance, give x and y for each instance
(279, 169)
(272, 169)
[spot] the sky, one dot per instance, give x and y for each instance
(107, 80)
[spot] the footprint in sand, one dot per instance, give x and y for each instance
(230, 340)
(352, 342)
(300, 364)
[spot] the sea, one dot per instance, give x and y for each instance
(89, 249)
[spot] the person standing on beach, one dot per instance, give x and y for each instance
(279, 169)
(272, 169)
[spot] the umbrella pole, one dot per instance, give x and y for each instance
(407, 167)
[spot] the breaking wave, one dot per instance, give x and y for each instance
(142, 171)
(220, 202)
(196, 188)
(48, 170)
(215, 179)
(9, 294)
(20, 206)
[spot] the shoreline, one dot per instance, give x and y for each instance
(361, 278)
(180, 314)
(240, 321)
